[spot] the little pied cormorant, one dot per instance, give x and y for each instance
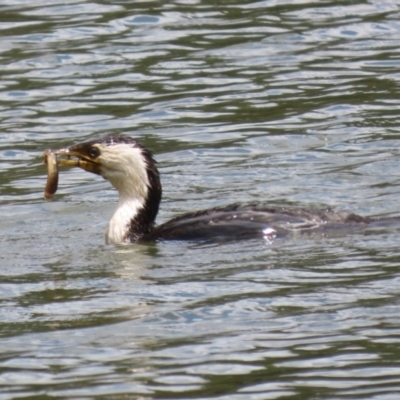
(132, 170)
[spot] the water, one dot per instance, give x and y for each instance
(286, 101)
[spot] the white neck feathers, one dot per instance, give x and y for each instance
(118, 227)
(126, 169)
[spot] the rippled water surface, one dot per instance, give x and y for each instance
(282, 101)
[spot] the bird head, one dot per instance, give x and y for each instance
(128, 166)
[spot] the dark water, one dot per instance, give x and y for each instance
(287, 101)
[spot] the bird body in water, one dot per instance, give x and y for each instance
(133, 172)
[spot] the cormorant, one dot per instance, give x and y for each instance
(132, 170)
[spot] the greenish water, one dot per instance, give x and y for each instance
(279, 101)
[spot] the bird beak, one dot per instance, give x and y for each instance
(76, 156)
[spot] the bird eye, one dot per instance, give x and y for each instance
(94, 152)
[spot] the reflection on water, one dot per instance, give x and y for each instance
(277, 101)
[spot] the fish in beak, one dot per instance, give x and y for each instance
(82, 155)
